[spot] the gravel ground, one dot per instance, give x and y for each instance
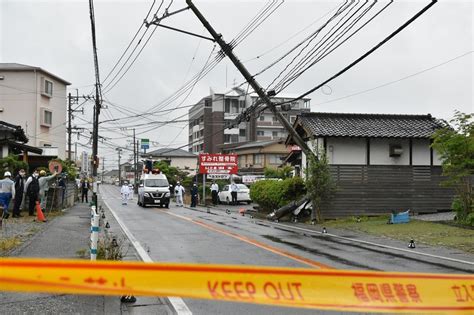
(22, 229)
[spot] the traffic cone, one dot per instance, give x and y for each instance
(39, 213)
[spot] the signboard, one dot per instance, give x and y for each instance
(250, 179)
(145, 143)
(218, 164)
(218, 176)
(85, 162)
(55, 166)
(295, 148)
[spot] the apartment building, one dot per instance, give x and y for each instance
(209, 118)
(35, 99)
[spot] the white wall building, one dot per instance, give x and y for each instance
(36, 100)
(181, 159)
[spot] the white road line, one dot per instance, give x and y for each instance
(376, 244)
(177, 303)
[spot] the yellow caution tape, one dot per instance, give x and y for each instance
(365, 291)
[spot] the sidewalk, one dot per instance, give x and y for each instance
(67, 236)
(62, 237)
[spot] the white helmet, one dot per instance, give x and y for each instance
(7, 173)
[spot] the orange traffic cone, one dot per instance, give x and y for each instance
(39, 213)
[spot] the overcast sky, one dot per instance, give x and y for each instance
(56, 36)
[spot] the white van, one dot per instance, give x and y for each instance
(154, 189)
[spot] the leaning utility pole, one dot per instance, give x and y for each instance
(98, 102)
(227, 49)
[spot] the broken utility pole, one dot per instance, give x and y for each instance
(227, 49)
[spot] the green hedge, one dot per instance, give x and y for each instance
(273, 194)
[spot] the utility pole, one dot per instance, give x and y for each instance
(103, 169)
(135, 162)
(70, 111)
(98, 103)
(119, 150)
(69, 130)
(227, 49)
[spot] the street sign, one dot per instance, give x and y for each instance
(250, 179)
(145, 143)
(218, 164)
(55, 166)
(218, 176)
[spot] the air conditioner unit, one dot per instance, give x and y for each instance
(396, 150)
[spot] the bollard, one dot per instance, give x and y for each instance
(94, 233)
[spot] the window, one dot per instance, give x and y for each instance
(242, 132)
(227, 106)
(46, 117)
(274, 159)
(207, 103)
(260, 133)
(242, 104)
(275, 133)
(235, 106)
(262, 118)
(47, 88)
(257, 159)
(226, 138)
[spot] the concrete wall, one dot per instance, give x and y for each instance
(346, 151)
(380, 152)
(421, 152)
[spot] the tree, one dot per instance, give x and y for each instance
(319, 183)
(281, 172)
(455, 144)
(172, 173)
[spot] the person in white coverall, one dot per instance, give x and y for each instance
(125, 192)
(179, 193)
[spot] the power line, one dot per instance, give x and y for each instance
(130, 44)
(365, 55)
(398, 80)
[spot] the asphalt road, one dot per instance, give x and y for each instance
(185, 235)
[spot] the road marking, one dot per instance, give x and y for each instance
(245, 239)
(376, 244)
(177, 303)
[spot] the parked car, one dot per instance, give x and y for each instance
(243, 194)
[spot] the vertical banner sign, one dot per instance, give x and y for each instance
(145, 144)
(218, 164)
(85, 162)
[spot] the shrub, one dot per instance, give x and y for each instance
(273, 194)
(12, 164)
